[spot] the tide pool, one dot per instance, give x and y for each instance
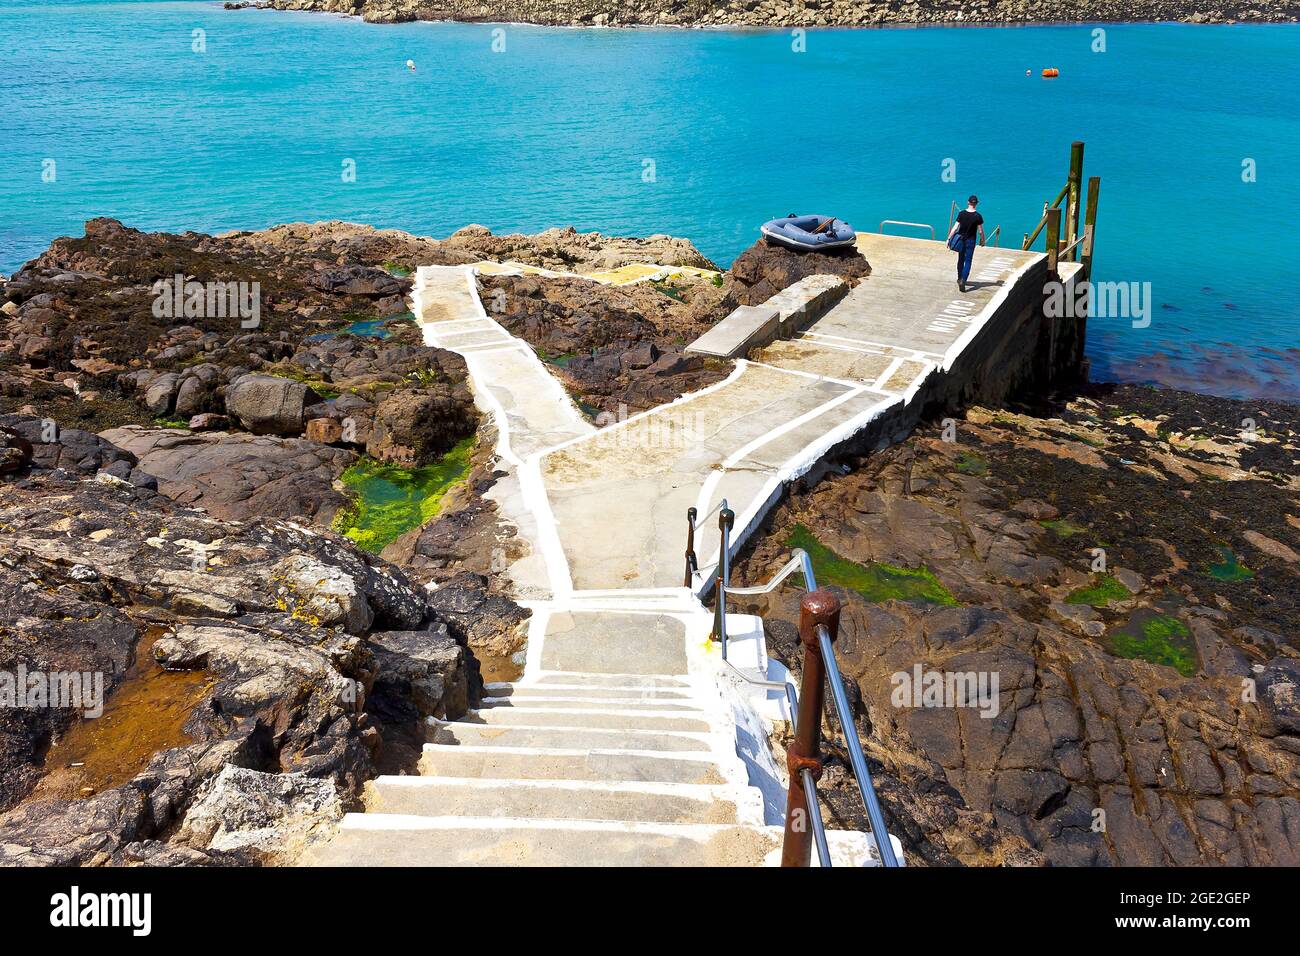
(703, 134)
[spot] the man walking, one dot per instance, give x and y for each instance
(961, 239)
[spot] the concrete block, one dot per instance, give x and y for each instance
(749, 326)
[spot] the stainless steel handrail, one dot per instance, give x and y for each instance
(899, 222)
(993, 237)
(802, 562)
(799, 562)
(791, 695)
(815, 818)
(879, 834)
(1066, 250)
(711, 512)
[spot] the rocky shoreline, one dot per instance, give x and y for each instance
(1148, 713)
(173, 516)
(791, 13)
(171, 508)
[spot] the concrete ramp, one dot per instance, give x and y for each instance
(627, 741)
(529, 406)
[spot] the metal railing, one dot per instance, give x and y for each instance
(818, 629)
(899, 222)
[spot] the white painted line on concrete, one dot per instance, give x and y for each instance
(990, 308)
(839, 346)
(694, 791)
(888, 373)
(533, 489)
(592, 706)
(488, 348)
(847, 383)
(875, 346)
(683, 756)
(704, 501)
(670, 706)
(625, 423)
(402, 821)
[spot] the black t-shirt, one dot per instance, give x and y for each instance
(968, 222)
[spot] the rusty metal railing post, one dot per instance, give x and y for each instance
(818, 608)
(691, 561)
(726, 518)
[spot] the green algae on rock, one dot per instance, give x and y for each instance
(969, 463)
(1229, 568)
(1157, 639)
(1062, 527)
(391, 500)
(1104, 589)
(875, 581)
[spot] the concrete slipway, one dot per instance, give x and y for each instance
(627, 741)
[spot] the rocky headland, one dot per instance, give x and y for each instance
(789, 13)
(186, 509)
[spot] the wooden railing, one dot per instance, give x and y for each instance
(1074, 244)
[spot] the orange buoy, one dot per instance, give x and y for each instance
(1051, 71)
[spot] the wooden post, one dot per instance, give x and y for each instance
(1090, 225)
(817, 608)
(1053, 242)
(1074, 184)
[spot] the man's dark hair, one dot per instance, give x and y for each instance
(974, 200)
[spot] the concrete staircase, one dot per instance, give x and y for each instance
(578, 768)
(582, 768)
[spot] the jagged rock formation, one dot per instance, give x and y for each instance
(613, 346)
(290, 630)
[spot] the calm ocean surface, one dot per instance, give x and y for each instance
(558, 128)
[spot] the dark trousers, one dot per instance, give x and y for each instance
(965, 253)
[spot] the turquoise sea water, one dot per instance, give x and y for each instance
(559, 127)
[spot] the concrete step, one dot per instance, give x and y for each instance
(508, 763)
(379, 839)
(383, 839)
(585, 717)
(553, 800)
(484, 735)
(584, 679)
(681, 707)
(586, 691)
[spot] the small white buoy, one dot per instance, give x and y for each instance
(410, 65)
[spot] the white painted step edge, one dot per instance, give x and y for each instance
(635, 689)
(703, 736)
(681, 680)
(731, 767)
(600, 711)
(720, 743)
(748, 801)
(671, 706)
(849, 845)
